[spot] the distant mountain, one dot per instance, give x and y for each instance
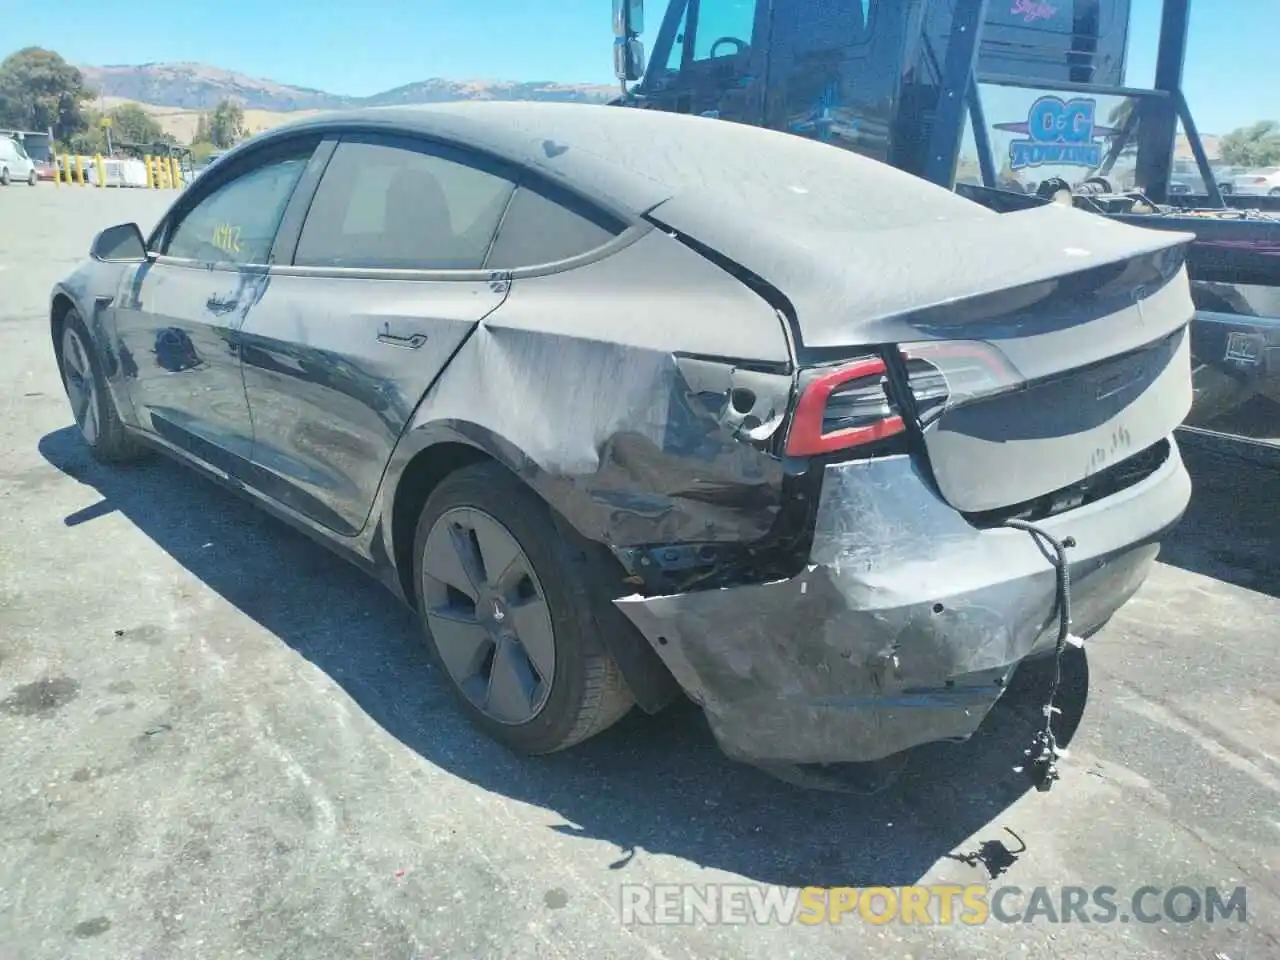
(198, 86)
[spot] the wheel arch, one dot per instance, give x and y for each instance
(61, 304)
(433, 452)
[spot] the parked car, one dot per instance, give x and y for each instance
(624, 402)
(1186, 180)
(1258, 183)
(47, 170)
(15, 164)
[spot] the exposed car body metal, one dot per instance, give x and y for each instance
(644, 392)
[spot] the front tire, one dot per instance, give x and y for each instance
(91, 404)
(508, 615)
(4, 177)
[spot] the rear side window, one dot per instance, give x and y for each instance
(237, 222)
(401, 206)
(538, 229)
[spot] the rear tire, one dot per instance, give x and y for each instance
(518, 644)
(91, 404)
(33, 178)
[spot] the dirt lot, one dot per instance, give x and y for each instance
(218, 741)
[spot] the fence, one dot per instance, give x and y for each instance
(156, 173)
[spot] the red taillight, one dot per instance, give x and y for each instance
(850, 406)
(842, 408)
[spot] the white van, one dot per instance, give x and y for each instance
(15, 164)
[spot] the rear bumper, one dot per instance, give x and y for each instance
(907, 624)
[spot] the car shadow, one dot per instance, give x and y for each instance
(1231, 530)
(653, 783)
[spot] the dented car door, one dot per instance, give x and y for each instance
(385, 285)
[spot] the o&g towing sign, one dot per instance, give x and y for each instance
(1058, 132)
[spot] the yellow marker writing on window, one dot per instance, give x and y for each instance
(226, 238)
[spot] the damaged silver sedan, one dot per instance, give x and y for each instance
(629, 403)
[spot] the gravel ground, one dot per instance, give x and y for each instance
(218, 741)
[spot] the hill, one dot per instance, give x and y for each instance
(198, 86)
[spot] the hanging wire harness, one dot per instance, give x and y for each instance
(1044, 753)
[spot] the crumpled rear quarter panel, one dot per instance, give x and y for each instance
(607, 389)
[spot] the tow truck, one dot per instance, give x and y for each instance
(1011, 103)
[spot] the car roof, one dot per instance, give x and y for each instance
(635, 159)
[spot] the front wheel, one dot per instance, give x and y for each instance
(508, 615)
(91, 404)
(4, 177)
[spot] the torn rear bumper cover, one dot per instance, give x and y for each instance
(907, 623)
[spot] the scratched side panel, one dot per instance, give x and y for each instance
(333, 368)
(176, 326)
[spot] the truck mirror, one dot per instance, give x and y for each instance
(628, 59)
(628, 18)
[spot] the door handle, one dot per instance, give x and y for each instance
(218, 305)
(412, 341)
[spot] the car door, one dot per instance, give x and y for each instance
(179, 314)
(386, 283)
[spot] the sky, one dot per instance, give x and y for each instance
(366, 47)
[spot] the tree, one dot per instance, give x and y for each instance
(131, 124)
(226, 126)
(39, 90)
(1254, 146)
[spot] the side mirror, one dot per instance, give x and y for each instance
(122, 243)
(628, 59)
(628, 18)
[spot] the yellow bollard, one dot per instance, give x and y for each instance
(150, 171)
(164, 173)
(79, 171)
(101, 167)
(175, 173)
(66, 166)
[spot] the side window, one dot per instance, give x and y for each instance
(237, 223)
(720, 22)
(538, 229)
(389, 206)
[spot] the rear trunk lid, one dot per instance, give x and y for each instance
(1043, 346)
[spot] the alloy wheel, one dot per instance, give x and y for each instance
(82, 390)
(488, 615)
